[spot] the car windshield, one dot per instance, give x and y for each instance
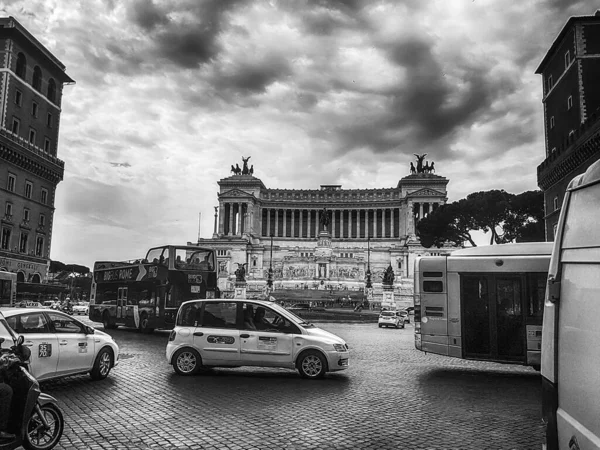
(7, 333)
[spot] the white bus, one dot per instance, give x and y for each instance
(483, 303)
(8, 288)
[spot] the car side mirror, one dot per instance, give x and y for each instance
(2, 341)
(20, 340)
(89, 330)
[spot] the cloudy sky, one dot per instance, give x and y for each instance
(170, 93)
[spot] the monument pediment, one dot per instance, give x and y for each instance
(426, 192)
(236, 193)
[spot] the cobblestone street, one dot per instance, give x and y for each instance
(392, 397)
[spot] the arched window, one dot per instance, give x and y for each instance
(51, 90)
(37, 78)
(36, 278)
(20, 277)
(21, 65)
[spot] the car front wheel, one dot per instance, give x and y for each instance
(102, 365)
(187, 361)
(312, 364)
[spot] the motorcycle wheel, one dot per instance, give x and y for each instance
(38, 438)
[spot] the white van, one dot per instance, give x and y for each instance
(571, 328)
(241, 332)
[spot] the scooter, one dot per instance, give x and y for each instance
(35, 419)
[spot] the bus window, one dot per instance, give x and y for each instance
(433, 274)
(154, 255)
(536, 284)
(107, 297)
(433, 286)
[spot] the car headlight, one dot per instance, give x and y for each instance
(339, 347)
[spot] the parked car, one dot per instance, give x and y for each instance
(404, 315)
(81, 308)
(61, 345)
(240, 332)
(390, 319)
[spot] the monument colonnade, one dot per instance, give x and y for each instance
(235, 218)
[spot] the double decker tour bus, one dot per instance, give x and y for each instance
(483, 303)
(8, 288)
(146, 294)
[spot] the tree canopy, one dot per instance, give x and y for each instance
(507, 217)
(57, 266)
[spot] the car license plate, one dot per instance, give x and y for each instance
(195, 289)
(45, 350)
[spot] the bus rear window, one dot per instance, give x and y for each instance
(432, 274)
(433, 286)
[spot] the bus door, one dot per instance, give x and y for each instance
(121, 303)
(493, 317)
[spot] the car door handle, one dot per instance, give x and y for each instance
(245, 335)
(198, 333)
(28, 344)
(63, 342)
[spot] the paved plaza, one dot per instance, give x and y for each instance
(392, 397)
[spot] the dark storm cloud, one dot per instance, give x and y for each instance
(185, 34)
(250, 77)
(429, 105)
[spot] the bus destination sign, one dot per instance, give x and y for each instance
(127, 273)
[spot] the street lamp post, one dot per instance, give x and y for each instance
(368, 283)
(270, 274)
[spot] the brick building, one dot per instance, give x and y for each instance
(31, 89)
(367, 228)
(571, 96)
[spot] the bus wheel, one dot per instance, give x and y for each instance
(144, 328)
(187, 361)
(108, 324)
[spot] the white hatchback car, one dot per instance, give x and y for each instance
(240, 332)
(61, 345)
(390, 319)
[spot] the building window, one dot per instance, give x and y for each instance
(36, 82)
(51, 90)
(34, 109)
(28, 189)
(26, 215)
(49, 120)
(21, 65)
(23, 242)
(551, 122)
(18, 98)
(39, 246)
(555, 203)
(550, 83)
(567, 59)
(47, 145)
(570, 102)
(8, 209)
(42, 220)
(16, 125)
(32, 136)
(5, 238)
(12, 181)
(44, 196)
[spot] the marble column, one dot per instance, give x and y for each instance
(284, 216)
(392, 211)
(300, 214)
(276, 222)
(221, 218)
(342, 223)
(293, 223)
(230, 233)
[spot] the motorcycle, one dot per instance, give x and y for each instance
(35, 419)
(68, 309)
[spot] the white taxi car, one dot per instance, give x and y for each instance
(390, 319)
(61, 345)
(241, 332)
